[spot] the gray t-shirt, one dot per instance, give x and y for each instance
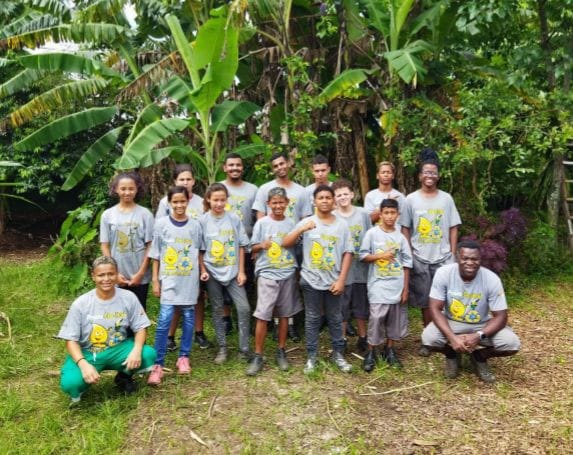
(323, 248)
(297, 205)
(277, 263)
(468, 302)
(177, 250)
(222, 238)
(375, 197)
(100, 324)
(194, 208)
(241, 199)
(358, 223)
(385, 278)
(429, 221)
(128, 234)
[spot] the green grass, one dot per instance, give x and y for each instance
(272, 413)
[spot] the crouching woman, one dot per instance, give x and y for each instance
(105, 329)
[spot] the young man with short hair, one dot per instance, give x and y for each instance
(355, 298)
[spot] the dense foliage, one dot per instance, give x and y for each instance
(145, 84)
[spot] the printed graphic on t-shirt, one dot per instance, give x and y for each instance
(290, 210)
(113, 333)
(385, 268)
(429, 226)
(178, 262)
(192, 213)
(465, 312)
(322, 253)
(224, 253)
(235, 205)
(126, 234)
(279, 257)
(356, 234)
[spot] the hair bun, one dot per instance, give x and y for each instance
(429, 155)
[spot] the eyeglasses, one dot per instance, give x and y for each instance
(430, 174)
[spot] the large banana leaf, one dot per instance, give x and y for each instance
(69, 63)
(378, 16)
(184, 48)
(66, 126)
(147, 139)
(250, 150)
(150, 113)
(406, 63)
(220, 73)
(178, 89)
(78, 33)
(215, 49)
(399, 10)
(355, 26)
(160, 154)
(20, 82)
(231, 113)
(27, 23)
(87, 161)
(344, 81)
(56, 97)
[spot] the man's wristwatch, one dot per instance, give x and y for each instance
(482, 336)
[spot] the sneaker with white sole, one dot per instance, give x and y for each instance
(182, 365)
(156, 375)
(338, 359)
(311, 364)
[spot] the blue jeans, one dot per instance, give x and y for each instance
(166, 313)
(314, 301)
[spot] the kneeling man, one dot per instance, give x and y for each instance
(469, 314)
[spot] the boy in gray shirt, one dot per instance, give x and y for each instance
(388, 253)
(276, 279)
(327, 257)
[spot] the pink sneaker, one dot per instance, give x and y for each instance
(183, 366)
(155, 375)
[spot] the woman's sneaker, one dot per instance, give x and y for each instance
(182, 365)
(156, 375)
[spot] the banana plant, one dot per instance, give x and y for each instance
(211, 62)
(399, 31)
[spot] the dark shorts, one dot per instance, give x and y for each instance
(421, 278)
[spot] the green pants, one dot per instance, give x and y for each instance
(71, 380)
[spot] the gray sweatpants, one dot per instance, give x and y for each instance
(504, 340)
(239, 297)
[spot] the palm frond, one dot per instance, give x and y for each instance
(56, 97)
(69, 63)
(91, 156)
(66, 126)
(27, 23)
(156, 75)
(20, 81)
(93, 33)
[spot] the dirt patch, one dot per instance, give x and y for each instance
(528, 410)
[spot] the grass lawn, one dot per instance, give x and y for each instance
(220, 410)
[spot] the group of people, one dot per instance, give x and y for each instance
(362, 263)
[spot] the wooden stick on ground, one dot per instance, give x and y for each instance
(211, 406)
(398, 390)
(197, 438)
(332, 418)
